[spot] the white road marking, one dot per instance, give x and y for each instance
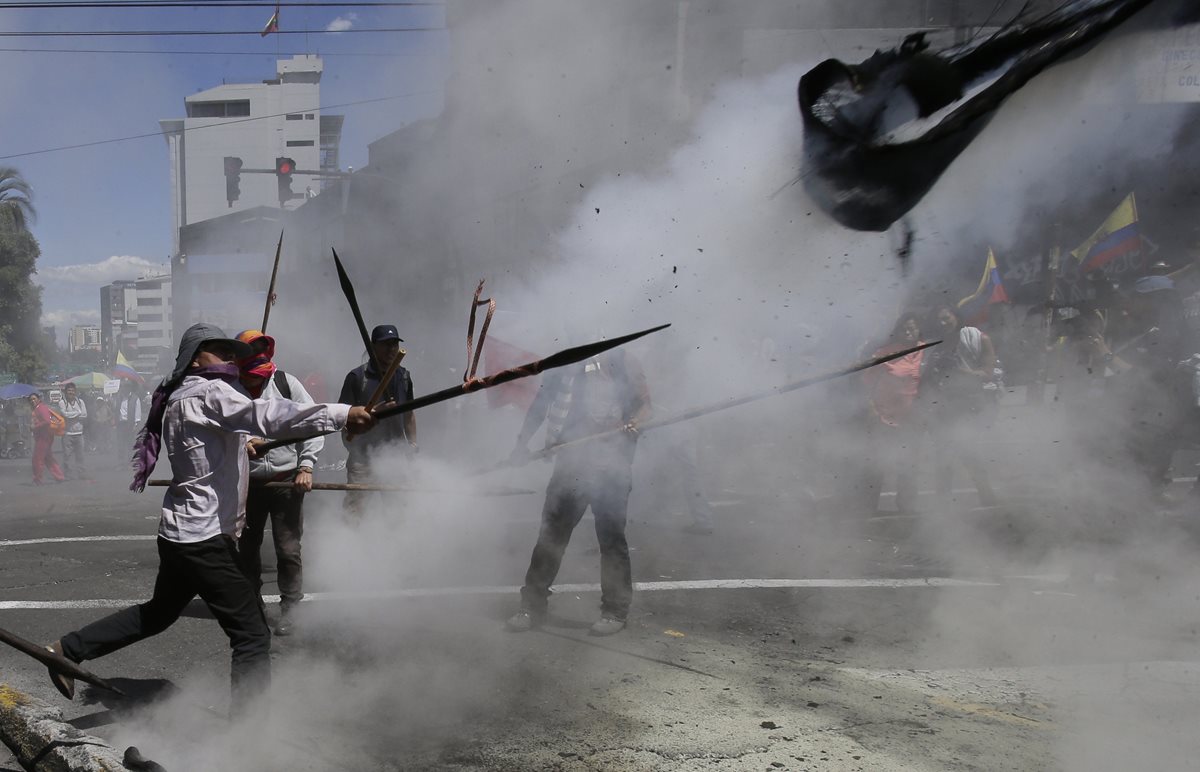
(427, 592)
(69, 539)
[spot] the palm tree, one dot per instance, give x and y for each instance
(16, 198)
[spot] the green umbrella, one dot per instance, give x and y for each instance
(91, 380)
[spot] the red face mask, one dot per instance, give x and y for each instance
(259, 363)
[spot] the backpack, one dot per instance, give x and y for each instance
(281, 383)
(58, 424)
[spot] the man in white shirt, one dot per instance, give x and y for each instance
(74, 410)
(201, 418)
(291, 464)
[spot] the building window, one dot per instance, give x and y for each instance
(149, 301)
(149, 318)
(237, 108)
(308, 116)
(294, 117)
(300, 143)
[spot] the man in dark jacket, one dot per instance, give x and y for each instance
(598, 395)
(359, 386)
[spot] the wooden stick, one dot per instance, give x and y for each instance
(715, 407)
(271, 286)
(325, 486)
(387, 378)
(559, 359)
(55, 662)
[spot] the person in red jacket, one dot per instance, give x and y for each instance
(43, 441)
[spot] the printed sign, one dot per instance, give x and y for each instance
(112, 387)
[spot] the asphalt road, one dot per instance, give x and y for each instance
(791, 638)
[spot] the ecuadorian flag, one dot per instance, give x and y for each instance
(973, 308)
(1116, 237)
(122, 370)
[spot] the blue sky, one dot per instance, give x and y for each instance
(103, 212)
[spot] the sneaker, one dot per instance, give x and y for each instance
(607, 625)
(65, 684)
(523, 621)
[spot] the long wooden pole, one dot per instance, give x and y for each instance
(717, 407)
(54, 661)
(491, 490)
(271, 286)
(559, 359)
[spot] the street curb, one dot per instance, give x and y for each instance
(37, 735)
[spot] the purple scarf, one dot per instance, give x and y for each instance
(149, 439)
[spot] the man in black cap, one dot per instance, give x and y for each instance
(358, 388)
(200, 417)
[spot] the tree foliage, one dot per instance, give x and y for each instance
(22, 343)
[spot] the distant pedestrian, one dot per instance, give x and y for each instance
(893, 427)
(102, 425)
(962, 393)
(74, 411)
(42, 422)
(129, 418)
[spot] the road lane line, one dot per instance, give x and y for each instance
(429, 592)
(70, 539)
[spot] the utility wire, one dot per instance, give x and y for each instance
(160, 132)
(197, 53)
(178, 33)
(209, 4)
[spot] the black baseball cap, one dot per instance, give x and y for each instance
(385, 332)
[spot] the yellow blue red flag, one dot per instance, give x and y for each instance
(122, 369)
(1116, 237)
(974, 308)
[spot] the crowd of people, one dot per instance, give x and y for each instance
(226, 397)
(1125, 373)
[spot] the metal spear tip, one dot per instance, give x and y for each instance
(587, 350)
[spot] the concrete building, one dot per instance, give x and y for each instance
(83, 338)
(136, 320)
(256, 122)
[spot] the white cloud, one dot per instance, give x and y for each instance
(103, 272)
(342, 23)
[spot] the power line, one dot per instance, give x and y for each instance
(209, 4)
(160, 132)
(198, 53)
(178, 33)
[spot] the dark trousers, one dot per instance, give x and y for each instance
(572, 488)
(285, 509)
(208, 569)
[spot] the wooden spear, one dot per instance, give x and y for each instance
(271, 287)
(352, 299)
(715, 407)
(559, 359)
(494, 490)
(56, 662)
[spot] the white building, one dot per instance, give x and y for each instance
(135, 319)
(83, 337)
(256, 122)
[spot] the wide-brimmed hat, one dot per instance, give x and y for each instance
(196, 336)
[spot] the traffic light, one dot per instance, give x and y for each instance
(283, 173)
(233, 178)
